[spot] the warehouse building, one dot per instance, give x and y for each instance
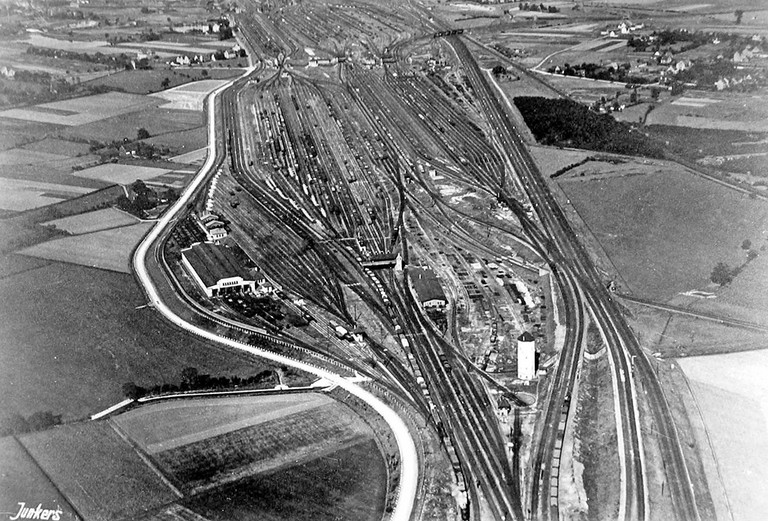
(217, 270)
(427, 287)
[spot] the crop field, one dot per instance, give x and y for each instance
(19, 195)
(156, 121)
(551, 159)
(70, 336)
(731, 390)
(117, 173)
(97, 471)
(20, 156)
(21, 480)
(93, 221)
(79, 111)
(189, 96)
(147, 81)
(345, 485)
(168, 425)
(59, 146)
(183, 141)
(268, 445)
(195, 157)
(108, 249)
(665, 231)
(715, 111)
(745, 298)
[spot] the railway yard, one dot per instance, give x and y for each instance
(379, 219)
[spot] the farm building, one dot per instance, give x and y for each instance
(216, 269)
(427, 287)
(526, 357)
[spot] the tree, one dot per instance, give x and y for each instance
(142, 133)
(189, 376)
(165, 83)
(42, 420)
(655, 93)
(133, 391)
(747, 244)
(721, 274)
(738, 14)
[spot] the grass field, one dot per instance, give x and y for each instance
(731, 390)
(79, 111)
(168, 425)
(271, 444)
(107, 249)
(118, 173)
(98, 472)
(93, 221)
(156, 121)
(19, 195)
(665, 231)
(21, 480)
(20, 156)
(70, 336)
(345, 485)
(59, 146)
(189, 96)
(146, 81)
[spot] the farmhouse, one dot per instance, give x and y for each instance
(217, 270)
(427, 287)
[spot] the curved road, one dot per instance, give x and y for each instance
(408, 455)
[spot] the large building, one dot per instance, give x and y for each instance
(427, 287)
(526, 357)
(217, 270)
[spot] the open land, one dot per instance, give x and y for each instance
(72, 335)
(730, 393)
(93, 221)
(664, 230)
(168, 425)
(107, 249)
(21, 480)
(98, 471)
(344, 485)
(305, 434)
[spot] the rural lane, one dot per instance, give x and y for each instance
(408, 456)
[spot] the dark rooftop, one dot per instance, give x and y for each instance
(426, 284)
(526, 337)
(213, 263)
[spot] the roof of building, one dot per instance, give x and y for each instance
(212, 263)
(526, 337)
(426, 284)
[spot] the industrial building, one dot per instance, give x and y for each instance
(427, 287)
(217, 270)
(526, 357)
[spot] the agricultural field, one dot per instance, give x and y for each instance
(278, 442)
(71, 336)
(119, 173)
(189, 96)
(157, 121)
(79, 111)
(714, 110)
(172, 424)
(148, 81)
(98, 471)
(665, 229)
(93, 221)
(730, 390)
(108, 249)
(20, 195)
(344, 485)
(21, 480)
